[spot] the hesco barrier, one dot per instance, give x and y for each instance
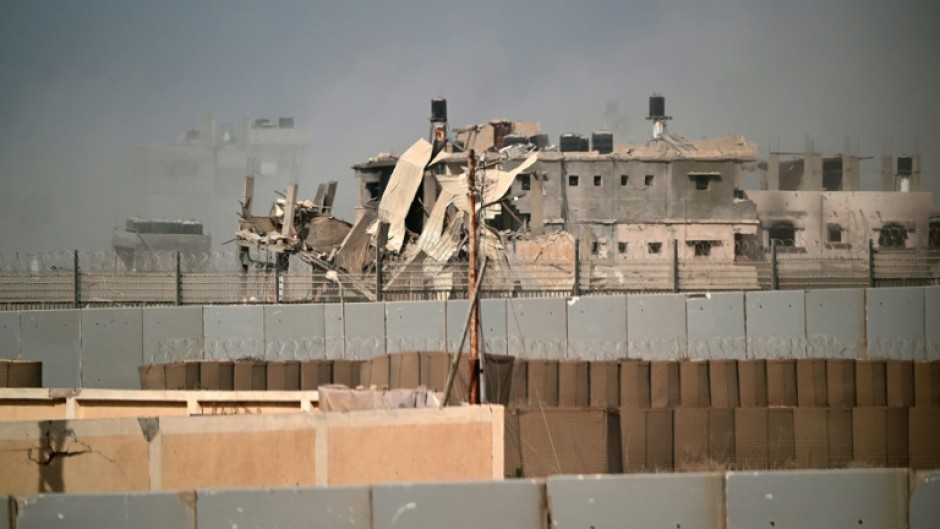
(886, 499)
(103, 348)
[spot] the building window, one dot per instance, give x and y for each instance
(893, 235)
(648, 180)
(622, 247)
(702, 248)
(624, 179)
(655, 247)
(595, 247)
(598, 180)
(701, 182)
(573, 180)
(526, 181)
(834, 232)
(783, 233)
(933, 234)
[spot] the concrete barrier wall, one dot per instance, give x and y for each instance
(102, 347)
(801, 499)
(229, 451)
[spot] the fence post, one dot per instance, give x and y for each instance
(277, 280)
(378, 272)
(871, 262)
(774, 279)
(179, 280)
(576, 289)
(76, 277)
(675, 265)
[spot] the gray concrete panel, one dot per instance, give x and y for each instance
(112, 348)
(172, 334)
(492, 323)
(294, 332)
(895, 318)
(716, 326)
(234, 332)
(335, 507)
(811, 499)
(54, 338)
(334, 331)
(5, 512)
(932, 322)
(365, 330)
(597, 327)
(689, 501)
(925, 501)
(537, 328)
(415, 326)
(156, 510)
(835, 323)
(776, 324)
(515, 504)
(656, 326)
(10, 334)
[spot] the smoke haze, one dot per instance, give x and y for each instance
(84, 82)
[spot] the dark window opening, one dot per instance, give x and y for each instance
(595, 247)
(624, 179)
(572, 180)
(655, 247)
(701, 182)
(702, 248)
(598, 180)
(905, 165)
(526, 182)
(648, 180)
(893, 235)
(622, 247)
(933, 235)
(835, 233)
(783, 233)
(373, 189)
(832, 174)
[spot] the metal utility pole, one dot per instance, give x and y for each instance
(474, 397)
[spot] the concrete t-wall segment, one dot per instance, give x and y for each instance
(537, 327)
(294, 332)
(895, 323)
(597, 327)
(233, 332)
(10, 334)
(835, 323)
(776, 324)
(656, 326)
(172, 334)
(54, 338)
(826, 498)
(112, 348)
(716, 326)
(415, 326)
(103, 347)
(493, 324)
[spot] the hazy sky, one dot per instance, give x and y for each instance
(83, 81)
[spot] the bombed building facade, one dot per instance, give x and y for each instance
(669, 197)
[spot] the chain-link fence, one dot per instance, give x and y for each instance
(64, 279)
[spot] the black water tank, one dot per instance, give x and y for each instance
(438, 109)
(584, 144)
(657, 106)
(514, 139)
(905, 165)
(603, 142)
(539, 140)
(569, 142)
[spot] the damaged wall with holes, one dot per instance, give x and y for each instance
(818, 221)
